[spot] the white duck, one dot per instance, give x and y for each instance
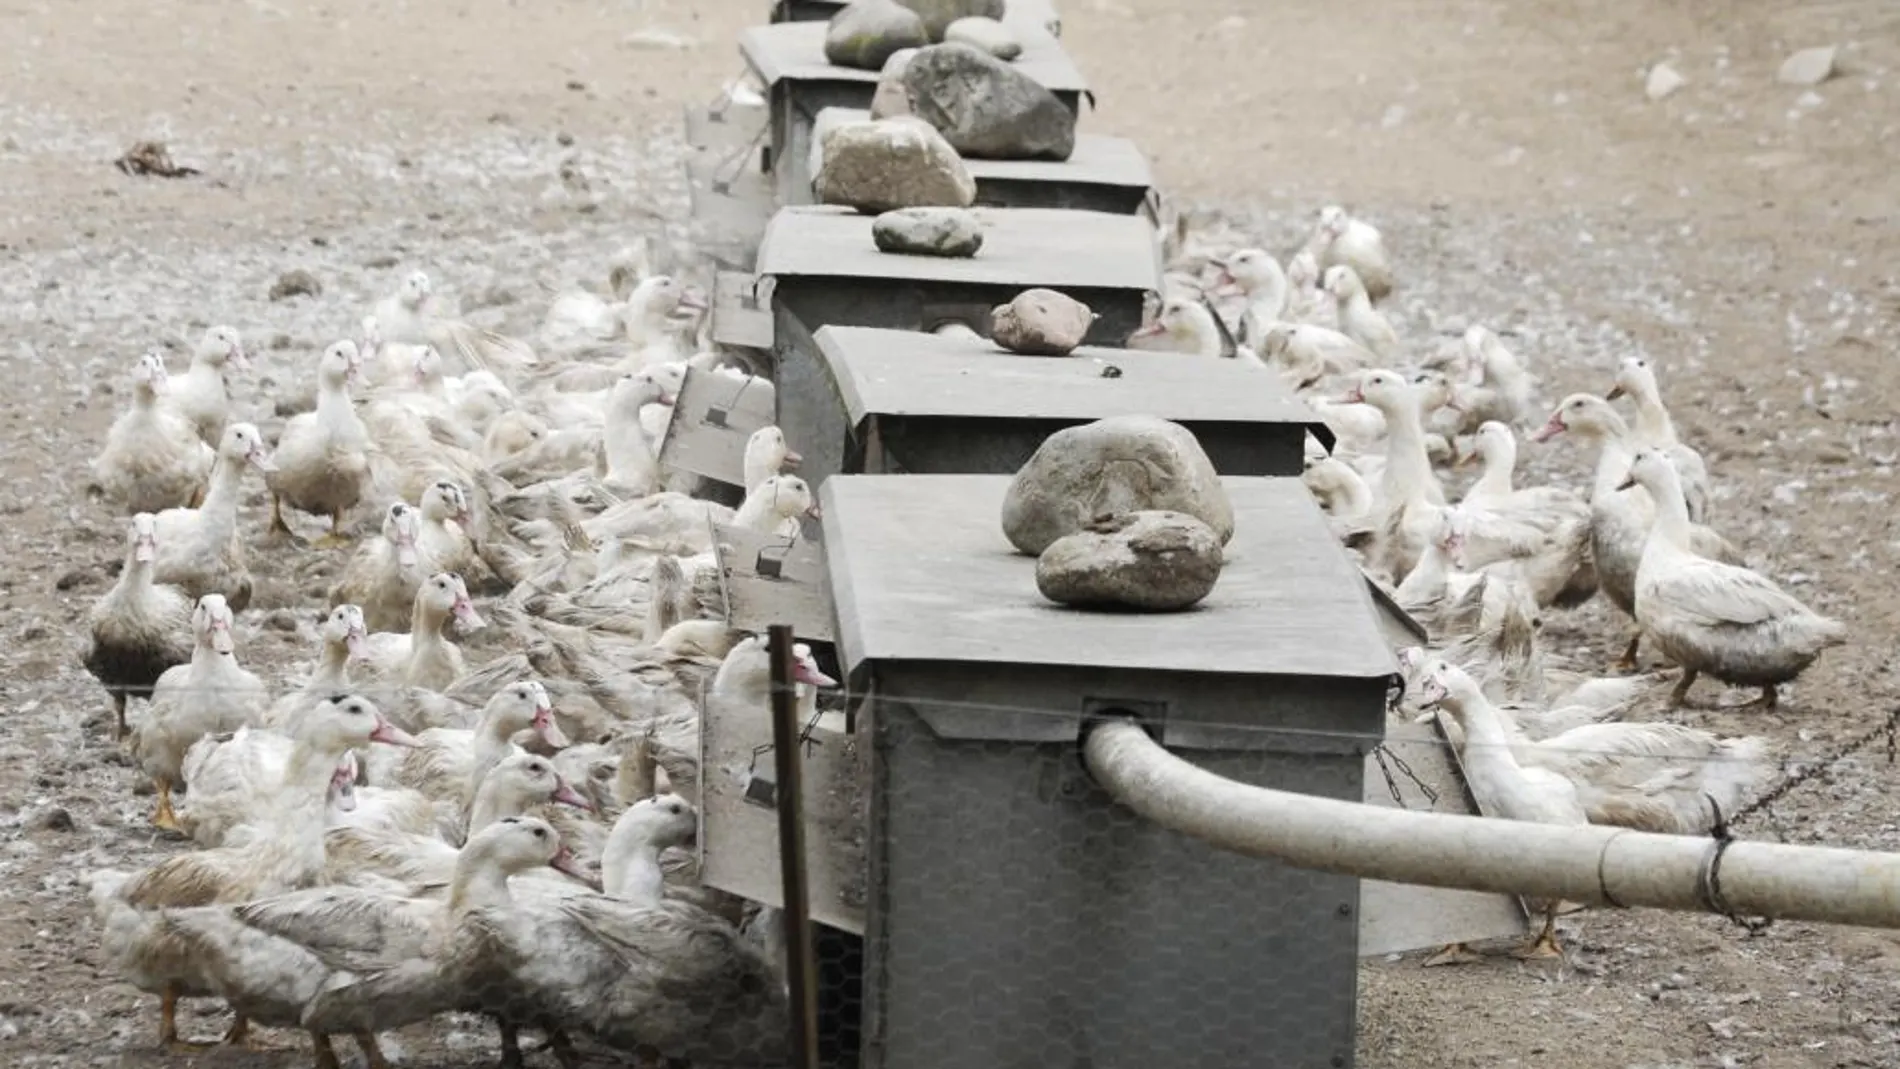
(385, 572)
(1340, 239)
(139, 629)
(153, 458)
(1307, 299)
(632, 457)
(1358, 320)
(1410, 494)
(1502, 785)
(444, 540)
(200, 394)
(210, 695)
(340, 640)
(1716, 618)
(766, 455)
(450, 763)
(1260, 279)
(1499, 369)
(1654, 429)
(323, 456)
(424, 657)
(1620, 518)
(404, 318)
(1307, 353)
(198, 548)
(1181, 325)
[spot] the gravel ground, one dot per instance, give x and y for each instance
(1740, 233)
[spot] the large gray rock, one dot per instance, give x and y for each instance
(879, 165)
(1149, 561)
(1114, 465)
(864, 33)
(939, 14)
(1041, 322)
(952, 232)
(986, 108)
(891, 98)
(987, 34)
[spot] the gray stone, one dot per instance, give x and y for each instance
(987, 34)
(986, 108)
(1152, 561)
(1810, 66)
(1041, 322)
(891, 98)
(892, 163)
(1114, 465)
(864, 33)
(939, 14)
(297, 283)
(950, 232)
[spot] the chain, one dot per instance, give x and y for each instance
(1391, 784)
(1859, 742)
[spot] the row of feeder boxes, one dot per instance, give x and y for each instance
(977, 902)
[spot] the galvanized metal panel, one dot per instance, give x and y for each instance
(739, 315)
(795, 52)
(731, 206)
(893, 372)
(907, 554)
(1397, 917)
(1018, 916)
(770, 579)
(1021, 247)
(738, 850)
(713, 416)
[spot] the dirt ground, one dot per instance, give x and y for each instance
(1740, 232)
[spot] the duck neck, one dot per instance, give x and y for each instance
(1495, 480)
(1484, 726)
(1427, 577)
(1408, 468)
(1652, 417)
(759, 512)
(493, 801)
(629, 450)
(492, 744)
(333, 399)
(333, 667)
(1672, 512)
(221, 497)
(477, 884)
(1613, 455)
(630, 870)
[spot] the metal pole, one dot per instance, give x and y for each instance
(1589, 864)
(801, 964)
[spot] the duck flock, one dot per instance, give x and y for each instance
(486, 500)
(1539, 737)
(477, 800)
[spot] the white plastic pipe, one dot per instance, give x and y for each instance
(1589, 864)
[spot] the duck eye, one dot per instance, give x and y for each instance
(673, 808)
(540, 833)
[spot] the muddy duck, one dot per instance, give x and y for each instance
(1713, 618)
(153, 459)
(286, 853)
(209, 695)
(139, 629)
(424, 657)
(200, 394)
(199, 549)
(1654, 429)
(322, 457)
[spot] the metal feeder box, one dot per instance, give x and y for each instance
(908, 402)
(1106, 174)
(826, 271)
(1015, 914)
(789, 59)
